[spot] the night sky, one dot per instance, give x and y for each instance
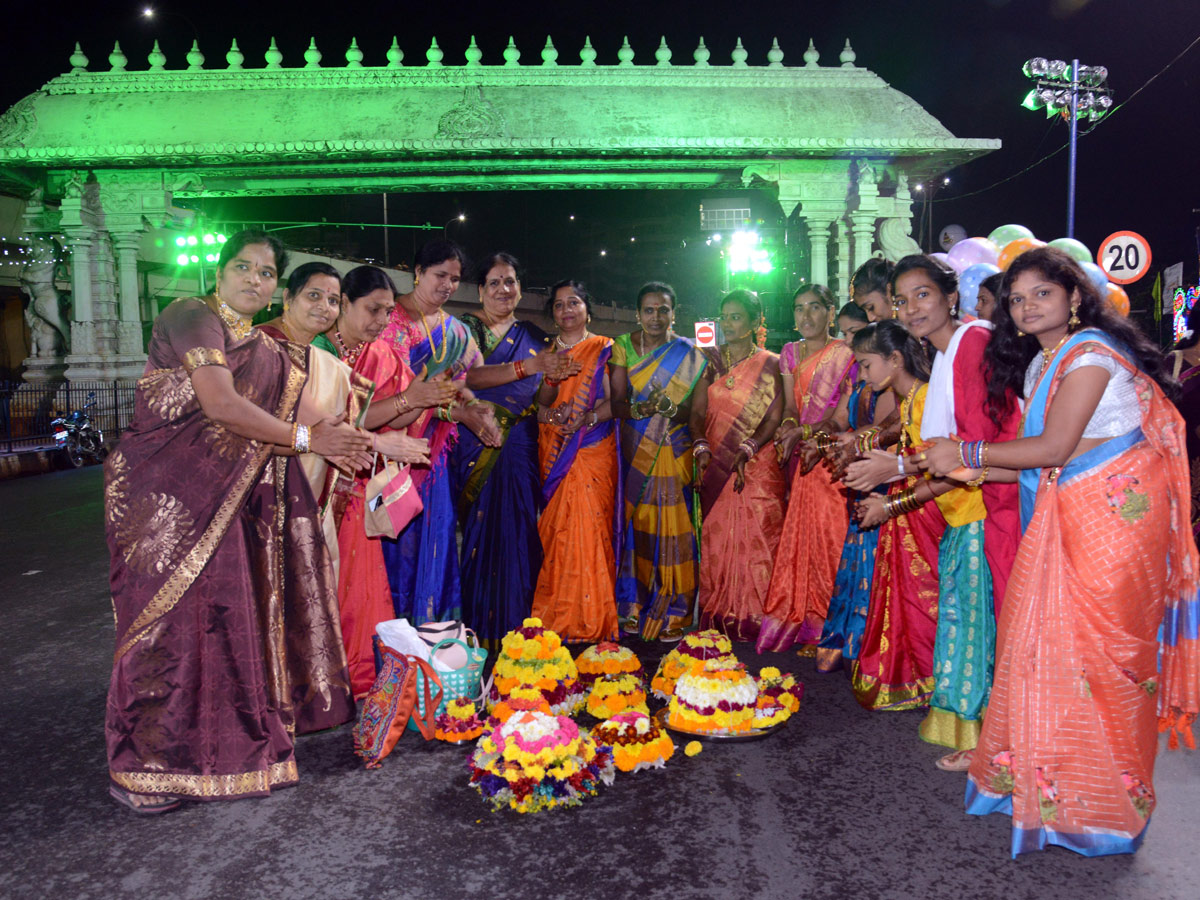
(960, 59)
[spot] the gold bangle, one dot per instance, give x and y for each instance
(791, 419)
(806, 432)
(978, 482)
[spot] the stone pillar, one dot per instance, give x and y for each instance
(863, 226)
(818, 240)
(129, 326)
(841, 290)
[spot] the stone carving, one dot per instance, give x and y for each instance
(895, 239)
(46, 313)
(472, 117)
(19, 122)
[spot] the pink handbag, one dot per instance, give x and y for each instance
(392, 501)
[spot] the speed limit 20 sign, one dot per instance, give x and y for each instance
(1124, 256)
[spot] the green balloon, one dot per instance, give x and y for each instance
(1077, 250)
(1006, 234)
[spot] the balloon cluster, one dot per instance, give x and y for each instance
(977, 258)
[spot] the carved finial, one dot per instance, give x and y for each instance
(549, 54)
(512, 56)
(663, 53)
(587, 55)
(433, 56)
(625, 54)
(273, 56)
(195, 58)
(354, 56)
(312, 56)
(117, 58)
(395, 55)
(234, 57)
(739, 55)
(811, 55)
(474, 54)
(848, 56)
(79, 60)
(157, 59)
(775, 55)
(701, 54)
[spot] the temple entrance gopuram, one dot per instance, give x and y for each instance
(99, 157)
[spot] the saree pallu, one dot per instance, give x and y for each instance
(333, 389)
(1070, 736)
(847, 617)
(227, 632)
(1189, 408)
(740, 535)
(815, 526)
(499, 496)
(657, 572)
(422, 563)
(364, 595)
(894, 669)
(575, 593)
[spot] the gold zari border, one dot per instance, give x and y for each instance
(203, 356)
(236, 785)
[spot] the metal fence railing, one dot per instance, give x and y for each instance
(26, 410)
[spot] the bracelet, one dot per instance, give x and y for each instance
(983, 453)
(823, 440)
(400, 403)
(700, 444)
(900, 463)
(301, 438)
(443, 413)
(294, 427)
(806, 432)
(595, 419)
(519, 369)
(909, 502)
(791, 419)
(553, 382)
(669, 410)
(750, 447)
(978, 482)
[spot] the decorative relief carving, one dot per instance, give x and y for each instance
(472, 117)
(19, 122)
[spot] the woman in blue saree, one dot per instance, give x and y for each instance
(653, 374)
(499, 489)
(422, 563)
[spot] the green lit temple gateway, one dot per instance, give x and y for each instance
(98, 157)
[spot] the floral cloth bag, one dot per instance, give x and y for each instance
(393, 703)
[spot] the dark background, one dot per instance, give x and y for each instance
(960, 59)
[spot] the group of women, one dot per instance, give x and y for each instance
(988, 519)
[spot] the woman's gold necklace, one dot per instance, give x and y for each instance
(907, 408)
(565, 346)
(1047, 355)
(239, 325)
(349, 356)
(433, 348)
(727, 355)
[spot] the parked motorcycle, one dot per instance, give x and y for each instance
(76, 434)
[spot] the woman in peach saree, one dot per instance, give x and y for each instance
(736, 408)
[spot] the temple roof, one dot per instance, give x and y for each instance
(246, 117)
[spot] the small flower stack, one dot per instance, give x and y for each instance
(690, 656)
(533, 656)
(458, 723)
(778, 697)
(637, 742)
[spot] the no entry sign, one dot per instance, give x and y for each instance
(706, 334)
(1124, 256)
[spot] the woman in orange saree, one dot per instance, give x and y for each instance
(577, 450)
(736, 408)
(364, 594)
(818, 371)
(894, 669)
(1083, 681)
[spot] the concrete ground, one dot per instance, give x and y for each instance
(839, 804)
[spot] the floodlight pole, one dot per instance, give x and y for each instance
(1073, 142)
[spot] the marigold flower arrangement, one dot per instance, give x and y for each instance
(612, 694)
(778, 697)
(637, 742)
(693, 651)
(607, 658)
(522, 698)
(458, 723)
(534, 656)
(719, 699)
(536, 761)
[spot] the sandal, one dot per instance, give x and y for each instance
(958, 761)
(671, 637)
(158, 803)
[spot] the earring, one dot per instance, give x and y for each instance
(1020, 333)
(286, 307)
(589, 317)
(954, 311)
(1073, 322)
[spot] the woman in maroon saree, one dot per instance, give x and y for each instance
(226, 618)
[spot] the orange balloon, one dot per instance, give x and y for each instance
(1013, 249)
(1115, 294)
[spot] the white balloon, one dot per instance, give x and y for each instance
(951, 235)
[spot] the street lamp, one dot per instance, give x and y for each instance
(1070, 90)
(461, 217)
